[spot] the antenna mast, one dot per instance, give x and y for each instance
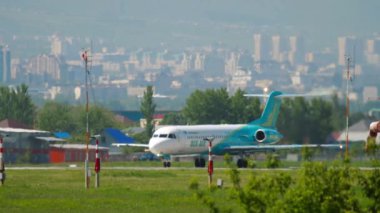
(347, 101)
(87, 169)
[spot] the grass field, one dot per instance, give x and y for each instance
(121, 190)
(124, 187)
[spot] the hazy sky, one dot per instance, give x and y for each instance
(186, 22)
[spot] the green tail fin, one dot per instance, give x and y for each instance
(270, 114)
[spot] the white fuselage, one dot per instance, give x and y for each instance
(178, 140)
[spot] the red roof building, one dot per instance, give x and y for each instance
(60, 153)
(8, 123)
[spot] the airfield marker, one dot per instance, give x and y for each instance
(97, 165)
(2, 169)
(210, 162)
(87, 169)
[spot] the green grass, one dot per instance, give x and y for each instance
(120, 191)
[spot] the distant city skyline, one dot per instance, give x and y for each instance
(181, 46)
(180, 24)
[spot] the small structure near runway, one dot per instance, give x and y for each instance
(60, 153)
(26, 145)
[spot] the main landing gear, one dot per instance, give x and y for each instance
(242, 163)
(199, 162)
(167, 163)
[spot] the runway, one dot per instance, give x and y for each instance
(135, 168)
(156, 168)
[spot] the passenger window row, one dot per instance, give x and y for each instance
(164, 136)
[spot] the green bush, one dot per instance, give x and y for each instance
(272, 161)
(316, 187)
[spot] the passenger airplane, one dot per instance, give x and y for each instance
(237, 139)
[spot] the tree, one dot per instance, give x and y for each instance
(17, 104)
(338, 113)
(55, 116)
(293, 120)
(371, 147)
(62, 117)
(148, 108)
(259, 194)
(370, 184)
(321, 189)
(208, 107)
(320, 115)
(304, 121)
(243, 109)
(98, 118)
(174, 118)
(307, 153)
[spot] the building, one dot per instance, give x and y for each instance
(61, 153)
(372, 51)
(277, 48)
(352, 47)
(370, 93)
(26, 145)
(261, 48)
(56, 46)
(110, 136)
(358, 132)
(157, 118)
(5, 64)
(45, 67)
(296, 53)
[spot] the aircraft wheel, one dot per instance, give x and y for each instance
(242, 163)
(167, 164)
(202, 162)
(245, 163)
(239, 163)
(196, 162)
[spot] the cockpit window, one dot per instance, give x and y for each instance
(172, 136)
(155, 135)
(163, 135)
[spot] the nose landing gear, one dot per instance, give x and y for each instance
(167, 163)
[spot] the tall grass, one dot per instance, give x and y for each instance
(120, 191)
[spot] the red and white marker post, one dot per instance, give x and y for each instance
(210, 163)
(2, 168)
(97, 164)
(87, 172)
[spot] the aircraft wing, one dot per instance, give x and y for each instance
(254, 148)
(131, 144)
(186, 155)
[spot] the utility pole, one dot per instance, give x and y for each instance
(86, 167)
(348, 76)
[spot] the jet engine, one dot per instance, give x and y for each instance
(267, 136)
(374, 128)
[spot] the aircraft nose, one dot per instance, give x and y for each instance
(155, 146)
